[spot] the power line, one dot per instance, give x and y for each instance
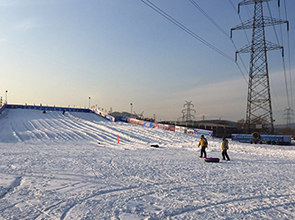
(187, 30)
(222, 31)
(283, 58)
(209, 18)
(289, 55)
(241, 20)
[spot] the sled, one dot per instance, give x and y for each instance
(155, 145)
(212, 160)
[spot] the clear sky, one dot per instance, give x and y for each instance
(61, 52)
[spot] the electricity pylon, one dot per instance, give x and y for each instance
(288, 116)
(259, 115)
(187, 116)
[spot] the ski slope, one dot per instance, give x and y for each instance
(55, 166)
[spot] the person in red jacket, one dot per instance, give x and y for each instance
(204, 144)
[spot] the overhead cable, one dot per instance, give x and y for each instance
(289, 55)
(187, 30)
(283, 58)
(241, 20)
(224, 32)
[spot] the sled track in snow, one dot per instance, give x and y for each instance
(53, 126)
(68, 210)
(257, 199)
(16, 183)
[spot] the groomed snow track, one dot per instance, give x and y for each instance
(55, 166)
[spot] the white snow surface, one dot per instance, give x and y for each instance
(55, 166)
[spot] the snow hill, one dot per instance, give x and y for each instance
(55, 166)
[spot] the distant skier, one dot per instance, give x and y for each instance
(204, 144)
(224, 149)
(63, 112)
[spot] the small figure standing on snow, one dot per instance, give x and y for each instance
(204, 144)
(63, 112)
(224, 149)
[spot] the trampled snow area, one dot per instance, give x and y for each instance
(55, 166)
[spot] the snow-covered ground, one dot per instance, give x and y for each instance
(55, 166)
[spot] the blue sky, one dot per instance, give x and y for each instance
(61, 52)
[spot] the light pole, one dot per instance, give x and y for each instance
(6, 96)
(89, 102)
(131, 108)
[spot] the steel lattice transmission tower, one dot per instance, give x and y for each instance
(288, 116)
(187, 115)
(259, 115)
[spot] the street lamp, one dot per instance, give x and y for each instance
(6, 96)
(89, 102)
(131, 108)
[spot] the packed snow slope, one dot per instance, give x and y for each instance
(55, 166)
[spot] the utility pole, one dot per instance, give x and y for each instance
(259, 115)
(6, 97)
